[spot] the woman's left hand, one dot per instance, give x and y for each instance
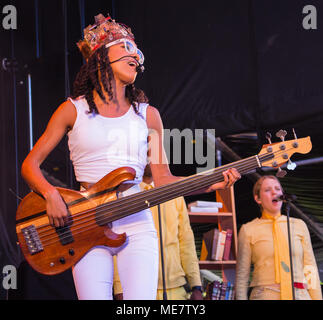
(230, 177)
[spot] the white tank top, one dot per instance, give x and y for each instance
(99, 144)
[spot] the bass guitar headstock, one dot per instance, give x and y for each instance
(276, 154)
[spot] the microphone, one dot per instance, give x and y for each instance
(286, 197)
(140, 68)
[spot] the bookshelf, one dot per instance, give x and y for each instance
(225, 219)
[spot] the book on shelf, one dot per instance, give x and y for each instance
(221, 291)
(227, 246)
(204, 209)
(224, 288)
(227, 292)
(216, 245)
(209, 244)
(220, 246)
(216, 290)
(230, 291)
(205, 204)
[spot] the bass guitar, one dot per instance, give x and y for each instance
(51, 250)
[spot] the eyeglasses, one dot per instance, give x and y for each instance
(130, 47)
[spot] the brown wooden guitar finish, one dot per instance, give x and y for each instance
(56, 258)
(52, 250)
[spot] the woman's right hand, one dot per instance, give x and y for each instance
(56, 209)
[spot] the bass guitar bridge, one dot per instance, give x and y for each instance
(32, 239)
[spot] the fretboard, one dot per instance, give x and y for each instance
(128, 205)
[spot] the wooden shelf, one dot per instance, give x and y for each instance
(207, 217)
(207, 264)
(225, 219)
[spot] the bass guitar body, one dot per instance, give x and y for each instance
(51, 250)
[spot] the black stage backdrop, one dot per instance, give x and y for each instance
(235, 66)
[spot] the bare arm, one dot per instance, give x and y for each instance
(159, 163)
(158, 160)
(62, 120)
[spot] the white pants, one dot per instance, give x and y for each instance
(137, 263)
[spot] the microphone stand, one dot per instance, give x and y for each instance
(162, 253)
(288, 201)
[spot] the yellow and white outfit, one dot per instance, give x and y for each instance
(257, 246)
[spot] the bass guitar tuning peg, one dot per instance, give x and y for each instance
(291, 165)
(295, 145)
(281, 173)
(281, 134)
(268, 137)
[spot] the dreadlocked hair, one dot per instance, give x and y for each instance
(87, 80)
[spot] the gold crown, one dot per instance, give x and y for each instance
(104, 30)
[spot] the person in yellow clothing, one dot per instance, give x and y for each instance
(180, 259)
(264, 243)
